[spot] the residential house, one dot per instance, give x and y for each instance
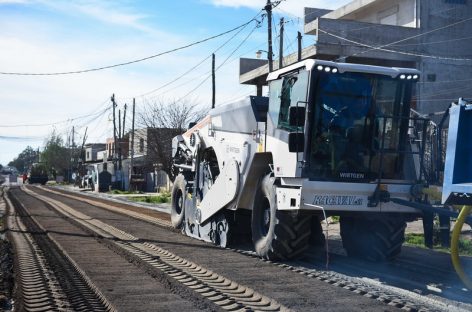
(92, 151)
(152, 156)
(430, 35)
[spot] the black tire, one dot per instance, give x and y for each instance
(277, 235)
(317, 237)
(177, 201)
(373, 238)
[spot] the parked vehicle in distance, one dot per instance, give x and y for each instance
(38, 174)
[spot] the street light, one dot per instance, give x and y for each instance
(259, 53)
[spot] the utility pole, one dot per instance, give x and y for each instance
(124, 120)
(119, 139)
(299, 39)
(281, 41)
(132, 146)
(114, 132)
(268, 9)
(81, 164)
(73, 132)
(213, 99)
(72, 154)
(121, 146)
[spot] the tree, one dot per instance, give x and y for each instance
(164, 120)
(25, 159)
(170, 114)
(55, 156)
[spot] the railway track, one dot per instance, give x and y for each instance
(397, 286)
(221, 285)
(49, 279)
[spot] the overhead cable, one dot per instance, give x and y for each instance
(128, 62)
(381, 48)
(55, 123)
(199, 63)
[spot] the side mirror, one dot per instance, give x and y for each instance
(296, 142)
(296, 116)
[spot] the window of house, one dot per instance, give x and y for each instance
(88, 155)
(141, 145)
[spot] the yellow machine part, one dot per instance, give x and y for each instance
(455, 246)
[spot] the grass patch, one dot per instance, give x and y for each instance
(334, 219)
(415, 239)
(120, 192)
(152, 199)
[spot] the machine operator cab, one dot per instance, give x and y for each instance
(341, 122)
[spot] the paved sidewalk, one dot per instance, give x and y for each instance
(119, 198)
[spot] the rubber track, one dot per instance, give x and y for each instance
(52, 281)
(226, 294)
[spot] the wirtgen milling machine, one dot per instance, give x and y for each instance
(331, 139)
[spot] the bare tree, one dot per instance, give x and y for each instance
(170, 114)
(162, 120)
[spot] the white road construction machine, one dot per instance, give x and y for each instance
(331, 139)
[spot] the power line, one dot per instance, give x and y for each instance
(55, 123)
(130, 62)
(20, 138)
(199, 63)
(219, 66)
(444, 81)
(409, 38)
(381, 48)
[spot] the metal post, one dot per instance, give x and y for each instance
(299, 39)
(259, 90)
(213, 99)
(132, 146)
(124, 121)
(119, 139)
(114, 132)
(281, 41)
(268, 9)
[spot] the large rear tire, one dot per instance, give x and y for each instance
(378, 238)
(277, 235)
(177, 201)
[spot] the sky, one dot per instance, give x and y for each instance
(44, 36)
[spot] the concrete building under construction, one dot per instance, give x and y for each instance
(430, 35)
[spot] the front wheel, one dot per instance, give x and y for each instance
(177, 201)
(277, 235)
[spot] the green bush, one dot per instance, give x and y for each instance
(415, 239)
(119, 192)
(152, 199)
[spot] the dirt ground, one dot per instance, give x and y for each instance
(412, 227)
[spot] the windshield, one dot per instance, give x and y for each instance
(351, 110)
